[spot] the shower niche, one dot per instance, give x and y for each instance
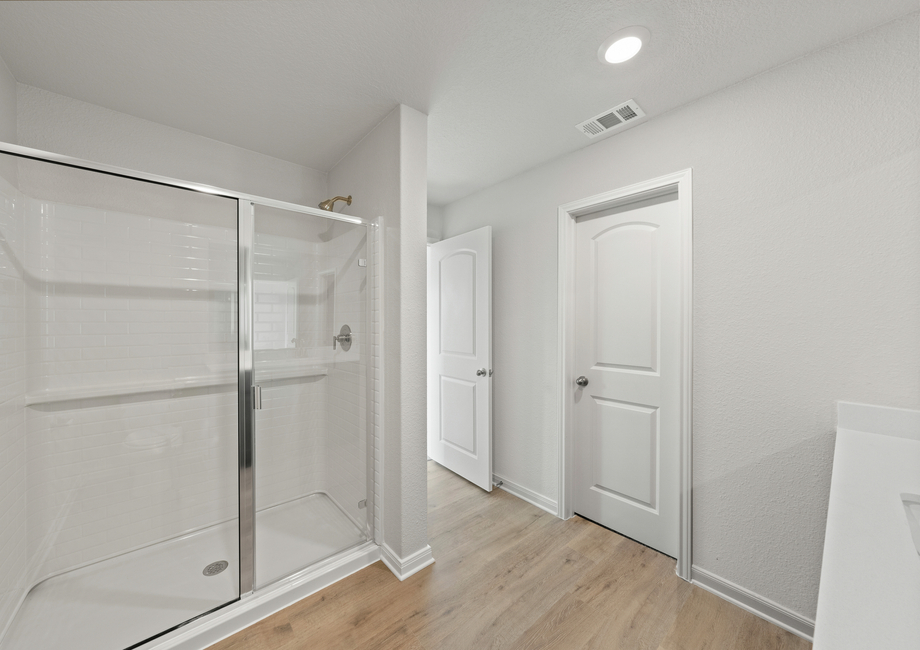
(144, 485)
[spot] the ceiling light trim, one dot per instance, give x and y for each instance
(636, 31)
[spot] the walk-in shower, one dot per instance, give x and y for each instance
(180, 423)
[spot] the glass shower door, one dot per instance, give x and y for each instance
(119, 434)
(309, 321)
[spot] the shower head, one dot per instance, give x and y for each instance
(328, 205)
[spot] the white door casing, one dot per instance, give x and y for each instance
(625, 326)
(460, 355)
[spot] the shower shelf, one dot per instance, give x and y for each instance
(270, 371)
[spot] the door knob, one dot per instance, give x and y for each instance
(481, 372)
(582, 381)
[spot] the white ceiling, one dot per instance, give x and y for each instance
(504, 82)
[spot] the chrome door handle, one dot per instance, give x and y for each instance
(482, 372)
(582, 381)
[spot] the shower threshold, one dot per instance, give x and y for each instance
(117, 603)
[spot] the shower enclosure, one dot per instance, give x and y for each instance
(184, 413)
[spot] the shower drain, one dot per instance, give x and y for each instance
(215, 567)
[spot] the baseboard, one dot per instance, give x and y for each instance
(757, 605)
(542, 502)
(402, 568)
(237, 616)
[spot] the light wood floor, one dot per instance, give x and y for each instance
(508, 575)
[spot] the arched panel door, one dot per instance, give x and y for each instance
(460, 355)
(627, 395)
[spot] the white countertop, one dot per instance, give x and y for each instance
(870, 574)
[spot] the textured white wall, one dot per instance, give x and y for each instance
(806, 290)
(385, 173)
(413, 327)
(435, 222)
(60, 124)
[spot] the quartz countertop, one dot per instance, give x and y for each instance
(869, 595)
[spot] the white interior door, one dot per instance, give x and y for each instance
(627, 349)
(460, 355)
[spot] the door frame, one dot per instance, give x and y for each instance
(568, 212)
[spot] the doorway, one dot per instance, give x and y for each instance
(625, 356)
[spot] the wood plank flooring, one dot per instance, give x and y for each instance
(511, 576)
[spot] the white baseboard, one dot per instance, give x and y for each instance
(542, 502)
(229, 620)
(757, 605)
(402, 568)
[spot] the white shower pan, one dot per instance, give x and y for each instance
(101, 607)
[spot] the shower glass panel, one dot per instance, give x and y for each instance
(118, 407)
(309, 280)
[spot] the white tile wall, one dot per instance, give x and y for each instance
(311, 430)
(128, 299)
(346, 447)
(289, 430)
(12, 411)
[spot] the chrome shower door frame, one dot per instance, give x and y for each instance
(246, 418)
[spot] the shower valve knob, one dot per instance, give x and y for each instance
(343, 338)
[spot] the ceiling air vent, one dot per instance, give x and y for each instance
(613, 120)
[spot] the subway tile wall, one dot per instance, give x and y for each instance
(13, 579)
(128, 300)
(312, 428)
(346, 453)
(290, 427)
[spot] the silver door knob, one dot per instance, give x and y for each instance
(481, 372)
(582, 381)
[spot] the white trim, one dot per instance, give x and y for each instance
(229, 620)
(682, 181)
(755, 604)
(402, 568)
(531, 497)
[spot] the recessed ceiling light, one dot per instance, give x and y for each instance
(623, 45)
